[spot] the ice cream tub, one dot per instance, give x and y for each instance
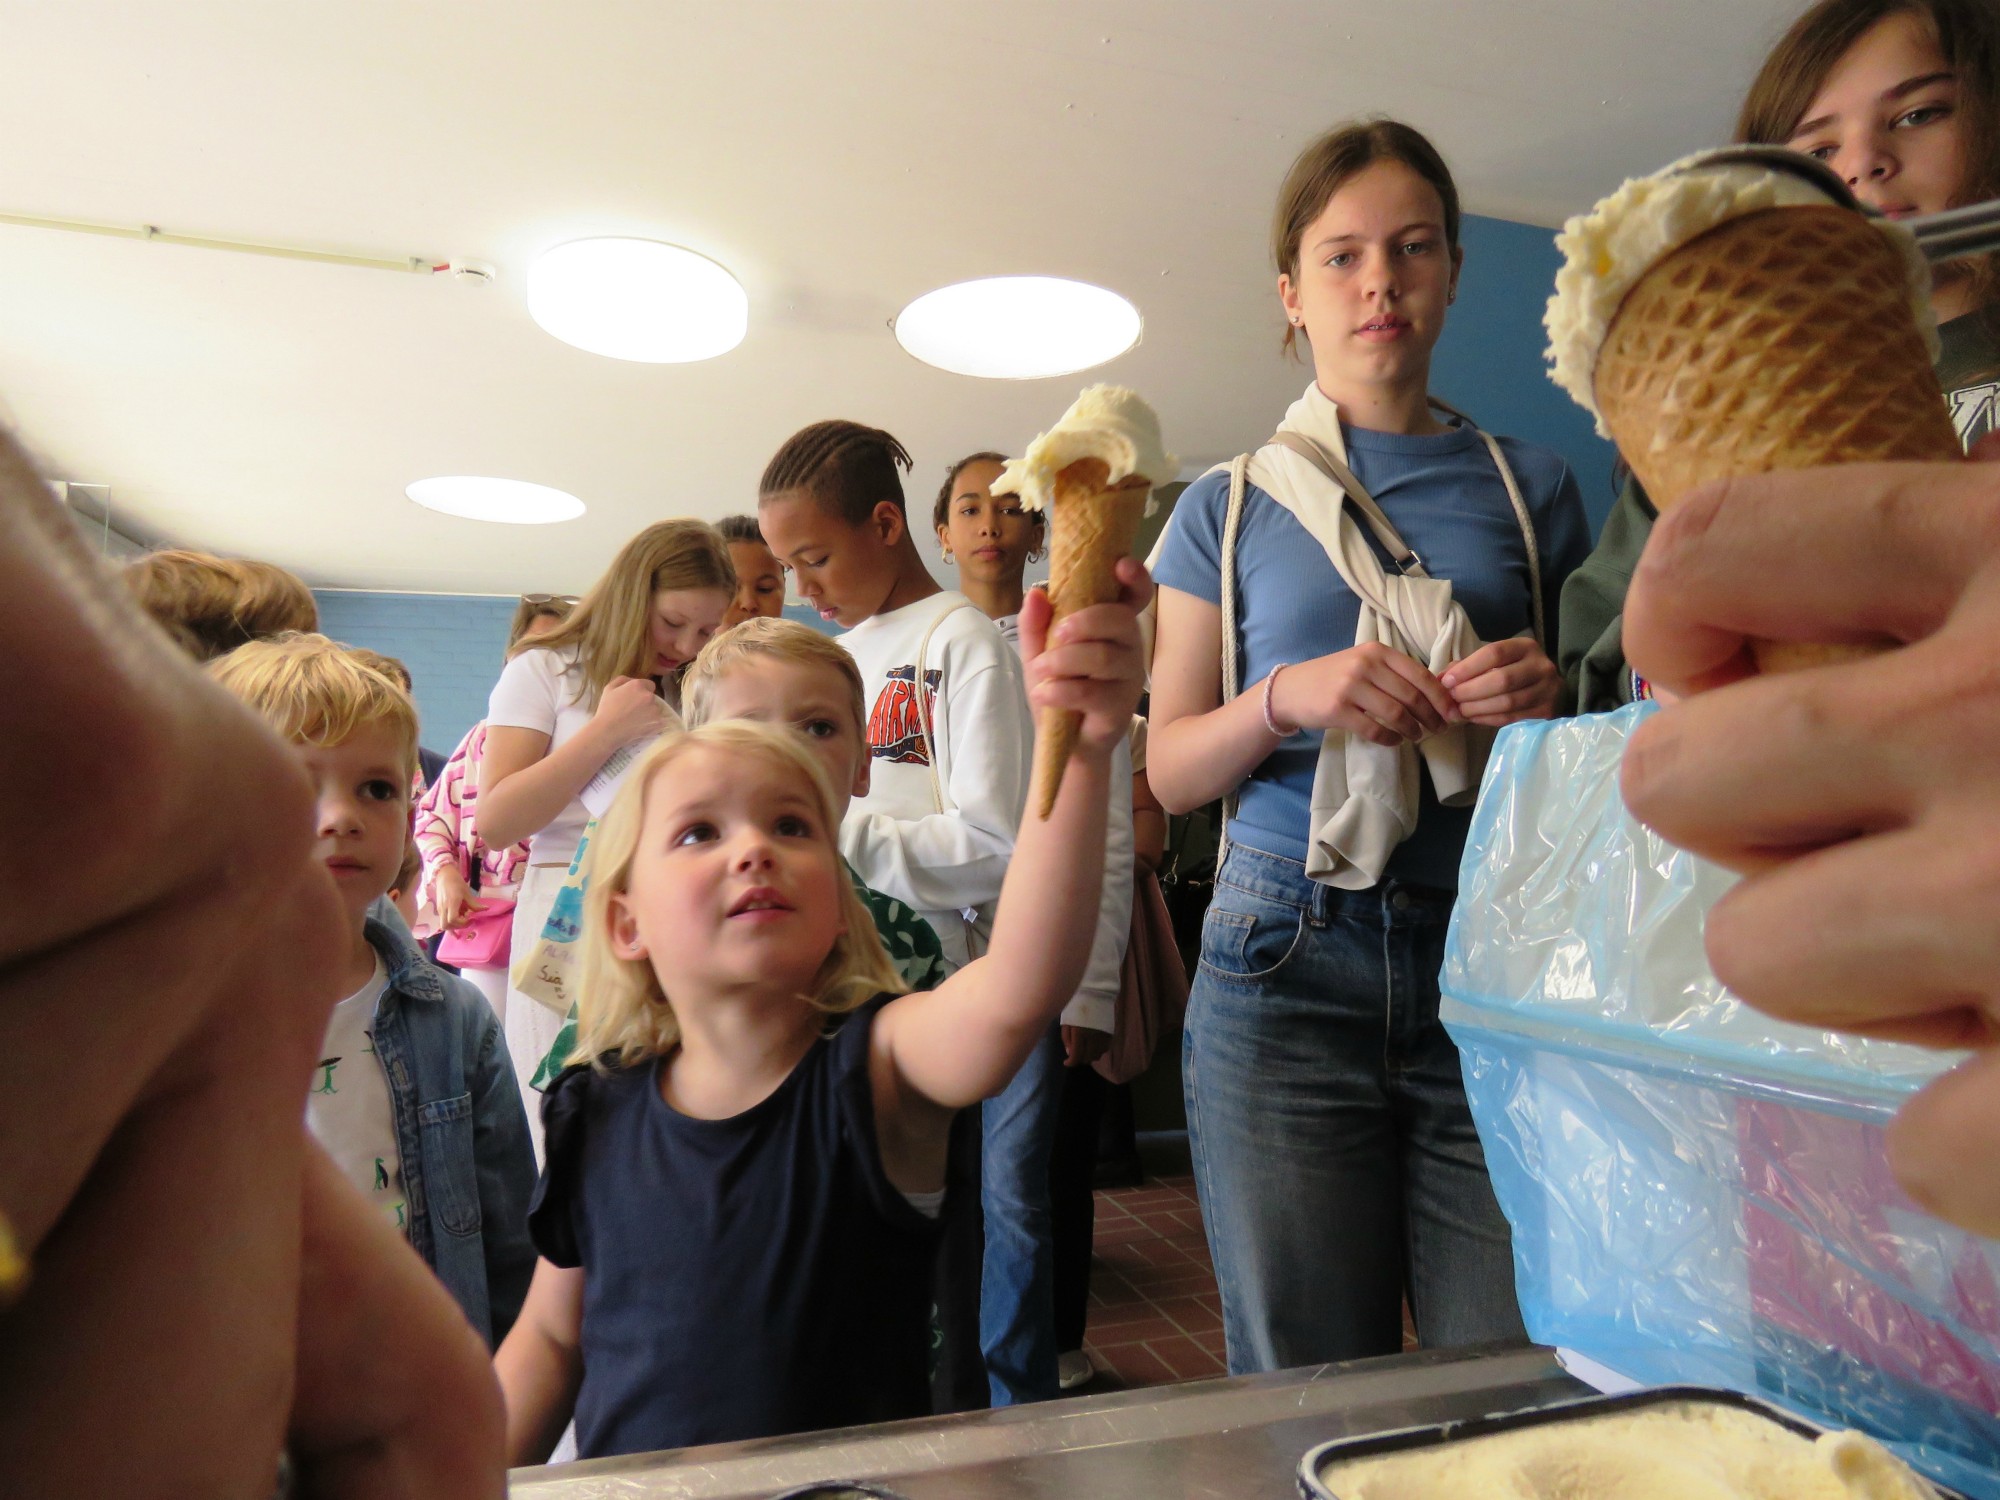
(1699, 1195)
(1671, 1441)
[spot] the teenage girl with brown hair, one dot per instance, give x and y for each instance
(1335, 1156)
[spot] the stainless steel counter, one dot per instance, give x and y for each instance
(1209, 1438)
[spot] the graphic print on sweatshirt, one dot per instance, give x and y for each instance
(895, 732)
(1973, 412)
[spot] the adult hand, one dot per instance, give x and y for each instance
(454, 899)
(1862, 799)
(1505, 682)
(631, 708)
(162, 1001)
(1083, 1045)
(1090, 663)
(1381, 695)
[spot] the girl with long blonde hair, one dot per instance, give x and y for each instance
(571, 700)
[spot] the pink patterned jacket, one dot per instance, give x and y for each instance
(446, 830)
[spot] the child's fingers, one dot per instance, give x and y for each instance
(1097, 661)
(1097, 622)
(1137, 590)
(1034, 623)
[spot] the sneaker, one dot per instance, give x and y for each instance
(1074, 1369)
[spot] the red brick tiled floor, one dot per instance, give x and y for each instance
(1155, 1317)
(1154, 1314)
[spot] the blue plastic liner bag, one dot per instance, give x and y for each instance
(1698, 1194)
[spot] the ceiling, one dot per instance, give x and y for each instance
(840, 156)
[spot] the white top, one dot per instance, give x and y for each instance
(1095, 1004)
(947, 865)
(542, 690)
(349, 1111)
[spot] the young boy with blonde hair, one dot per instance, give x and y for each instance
(777, 671)
(415, 1098)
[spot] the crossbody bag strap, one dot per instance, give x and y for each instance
(923, 703)
(930, 745)
(1406, 559)
(1355, 493)
(1521, 514)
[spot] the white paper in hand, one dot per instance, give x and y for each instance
(601, 788)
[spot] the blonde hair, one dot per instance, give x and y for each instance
(623, 1013)
(611, 625)
(389, 666)
(211, 605)
(785, 640)
(542, 607)
(314, 691)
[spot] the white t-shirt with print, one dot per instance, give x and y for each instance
(542, 690)
(349, 1111)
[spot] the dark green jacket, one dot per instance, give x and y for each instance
(1590, 643)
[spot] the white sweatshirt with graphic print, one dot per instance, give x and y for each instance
(947, 864)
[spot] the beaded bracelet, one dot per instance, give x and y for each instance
(1270, 720)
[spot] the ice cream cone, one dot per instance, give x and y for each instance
(1783, 339)
(1091, 525)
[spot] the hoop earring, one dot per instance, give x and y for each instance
(948, 557)
(1036, 554)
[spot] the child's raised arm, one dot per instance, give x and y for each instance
(541, 1364)
(963, 1041)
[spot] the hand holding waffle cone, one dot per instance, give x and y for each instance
(1093, 473)
(1732, 320)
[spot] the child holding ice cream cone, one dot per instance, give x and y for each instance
(1902, 99)
(737, 1213)
(1329, 687)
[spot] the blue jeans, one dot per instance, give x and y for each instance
(1017, 1307)
(1334, 1154)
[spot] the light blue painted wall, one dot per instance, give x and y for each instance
(452, 644)
(1489, 362)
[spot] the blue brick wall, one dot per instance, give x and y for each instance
(452, 644)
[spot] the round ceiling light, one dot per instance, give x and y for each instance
(513, 501)
(638, 300)
(1018, 327)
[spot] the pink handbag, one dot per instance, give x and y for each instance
(481, 943)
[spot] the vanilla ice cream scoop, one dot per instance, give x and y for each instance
(1106, 422)
(1607, 251)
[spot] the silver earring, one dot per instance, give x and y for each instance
(949, 558)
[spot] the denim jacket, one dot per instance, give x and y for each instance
(468, 1169)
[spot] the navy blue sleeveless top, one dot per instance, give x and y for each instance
(743, 1278)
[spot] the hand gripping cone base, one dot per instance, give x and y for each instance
(1090, 528)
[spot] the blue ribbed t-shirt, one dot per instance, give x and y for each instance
(1443, 493)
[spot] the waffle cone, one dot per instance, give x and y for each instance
(1780, 340)
(1091, 526)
